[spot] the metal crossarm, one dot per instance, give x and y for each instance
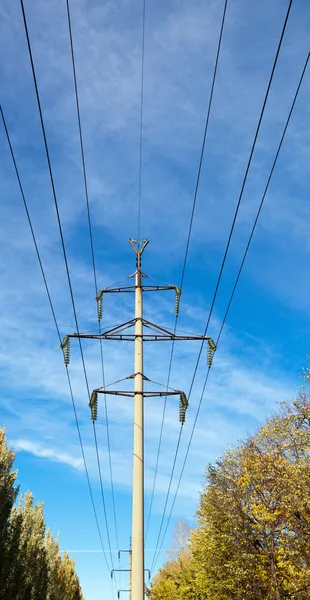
(145, 288)
(183, 402)
(131, 394)
(120, 592)
(119, 333)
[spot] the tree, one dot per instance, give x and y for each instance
(14, 580)
(176, 580)
(53, 567)
(31, 553)
(224, 546)
(279, 470)
(31, 567)
(254, 513)
(69, 583)
(180, 539)
(252, 541)
(8, 494)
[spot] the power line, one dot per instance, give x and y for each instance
(237, 209)
(81, 144)
(52, 181)
(48, 160)
(141, 119)
(185, 263)
(92, 254)
(101, 487)
(235, 286)
(109, 449)
(56, 206)
(242, 189)
(204, 141)
(57, 329)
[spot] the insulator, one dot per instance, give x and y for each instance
(212, 344)
(209, 356)
(183, 399)
(99, 304)
(210, 352)
(94, 405)
(182, 414)
(183, 407)
(177, 300)
(65, 346)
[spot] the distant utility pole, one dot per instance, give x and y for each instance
(128, 570)
(119, 558)
(144, 331)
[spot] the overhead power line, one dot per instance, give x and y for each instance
(57, 330)
(233, 292)
(232, 228)
(81, 145)
(93, 262)
(59, 222)
(141, 119)
(184, 268)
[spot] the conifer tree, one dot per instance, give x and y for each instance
(8, 493)
(31, 553)
(31, 566)
(53, 567)
(69, 583)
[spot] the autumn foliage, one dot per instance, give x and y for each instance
(252, 541)
(31, 565)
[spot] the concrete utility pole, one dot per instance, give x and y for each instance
(144, 331)
(137, 533)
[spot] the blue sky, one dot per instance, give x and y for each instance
(265, 340)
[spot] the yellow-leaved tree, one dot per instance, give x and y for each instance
(252, 541)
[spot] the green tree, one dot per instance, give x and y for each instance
(8, 493)
(53, 567)
(69, 583)
(14, 582)
(31, 567)
(176, 580)
(31, 553)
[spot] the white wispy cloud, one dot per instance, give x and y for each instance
(52, 454)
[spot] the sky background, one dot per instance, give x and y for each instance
(266, 337)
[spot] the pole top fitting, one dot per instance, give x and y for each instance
(138, 247)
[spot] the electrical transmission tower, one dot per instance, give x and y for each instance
(138, 330)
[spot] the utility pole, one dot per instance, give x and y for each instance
(137, 533)
(130, 574)
(130, 569)
(144, 331)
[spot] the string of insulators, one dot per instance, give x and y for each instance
(99, 304)
(210, 352)
(177, 300)
(93, 403)
(65, 346)
(183, 407)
